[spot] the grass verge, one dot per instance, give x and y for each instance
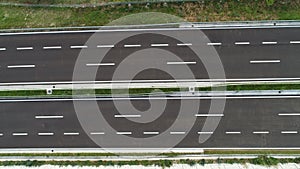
(261, 160)
(202, 11)
(252, 152)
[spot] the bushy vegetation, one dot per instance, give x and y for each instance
(261, 160)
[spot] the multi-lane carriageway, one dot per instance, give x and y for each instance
(247, 122)
(246, 54)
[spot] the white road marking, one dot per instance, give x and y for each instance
(127, 116)
(233, 132)
(242, 43)
(294, 42)
(1, 134)
(100, 64)
(79, 47)
(177, 132)
(209, 115)
(132, 46)
(49, 117)
(260, 132)
(20, 134)
(264, 61)
(289, 114)
(2, 49)
(20, 66)
(181, 63)
(151, 132)
(289, 132)
(97, 133)
(52, 47)
(71, 134)
(214, 44)
(184, 44)
(45, 134)
(206, 132)
(124, 133)
(25, 48)
(152, 98)
(269, 43)
(105, 46)
(159, 44)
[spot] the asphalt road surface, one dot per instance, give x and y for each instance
(249, 53)
(247, 122)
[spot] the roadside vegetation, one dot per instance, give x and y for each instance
(202, 11)
(260, 160)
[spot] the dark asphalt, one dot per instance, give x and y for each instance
(240, 115)
(57, 65)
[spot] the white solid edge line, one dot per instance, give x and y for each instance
(242, 43)
(150, 132)
(269, 43)
(157, 80)
(184, 44)
(233, 132)
(79, 47)
(132, 46)
(289, 114)
(20, 134)
(159, 44)
(294, 42)
(205, 132)
(157, 29)
(46, 134)
(100, 64)
(105, 46)
(24, 48)
(48, 117)
(181, 63)
(127, 116)
(214, 44)
(260, 132)
(177, 132)
(265, 61)
(209, 115)
(21, 66)
(52, 47)
(2, 49)
(71, 134)
(97, 133)
(124, 133)
(289, 132)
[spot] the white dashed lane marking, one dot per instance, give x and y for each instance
(25, 48)
(20, 66)
(52, 47)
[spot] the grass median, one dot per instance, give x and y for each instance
(202, 11)
(146, 91)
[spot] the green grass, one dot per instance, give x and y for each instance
(227, 10)
(261, 160)
(83, 92)
(256, 152)
(137, 91)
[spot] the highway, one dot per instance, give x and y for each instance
(247, 122)
(248, 53)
